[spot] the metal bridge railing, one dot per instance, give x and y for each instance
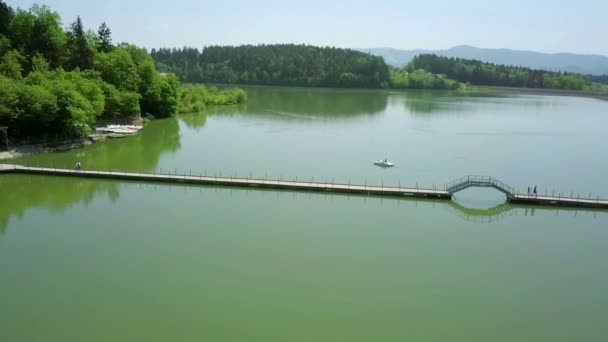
(471, 181)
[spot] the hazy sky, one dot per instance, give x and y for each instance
(541, 25)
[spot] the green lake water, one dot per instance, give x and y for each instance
(88, 260)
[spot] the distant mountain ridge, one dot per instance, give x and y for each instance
(565, 62)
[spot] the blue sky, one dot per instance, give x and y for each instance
(541, 25)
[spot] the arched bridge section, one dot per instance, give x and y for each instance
(480, 182)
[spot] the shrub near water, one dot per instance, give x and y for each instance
(195, 98)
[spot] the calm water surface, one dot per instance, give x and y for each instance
(86, 260)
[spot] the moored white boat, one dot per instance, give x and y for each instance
(126, 127)
(120, 129)
(384, 163)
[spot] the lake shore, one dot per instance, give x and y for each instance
(473, 89)
(64, 145)
(545, 91)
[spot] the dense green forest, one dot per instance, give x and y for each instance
(302, 65)
(56, 80)
(421, 79)
(288, 65)
(488, 74)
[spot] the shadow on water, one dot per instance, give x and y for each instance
(296, 104)
(137, 153)
(431, 101)
(305, 104)
(311, 103)
(22, 193)
(488, 215)
(505, 210)
(194, 120)
(197, 120)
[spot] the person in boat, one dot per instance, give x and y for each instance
(385, 160)
(77, 166)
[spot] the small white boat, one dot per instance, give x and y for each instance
(384, 163)
(119, 129)
(126, 127)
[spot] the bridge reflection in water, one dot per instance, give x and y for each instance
(506, 210)
(489, 215)
(60, 199)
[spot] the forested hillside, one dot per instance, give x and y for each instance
(557, 62)
(301, 65)
(289, 65)
(488, 74)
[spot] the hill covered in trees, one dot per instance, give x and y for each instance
(487, 74)
(286, 65)
(558, 62)
(309, 66)
(56, 80)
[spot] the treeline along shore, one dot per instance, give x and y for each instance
(281, 65)
(310, 66)
(60, 81)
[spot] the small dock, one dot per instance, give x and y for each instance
(302, 185)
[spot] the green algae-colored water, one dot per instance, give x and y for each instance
(87, 260)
